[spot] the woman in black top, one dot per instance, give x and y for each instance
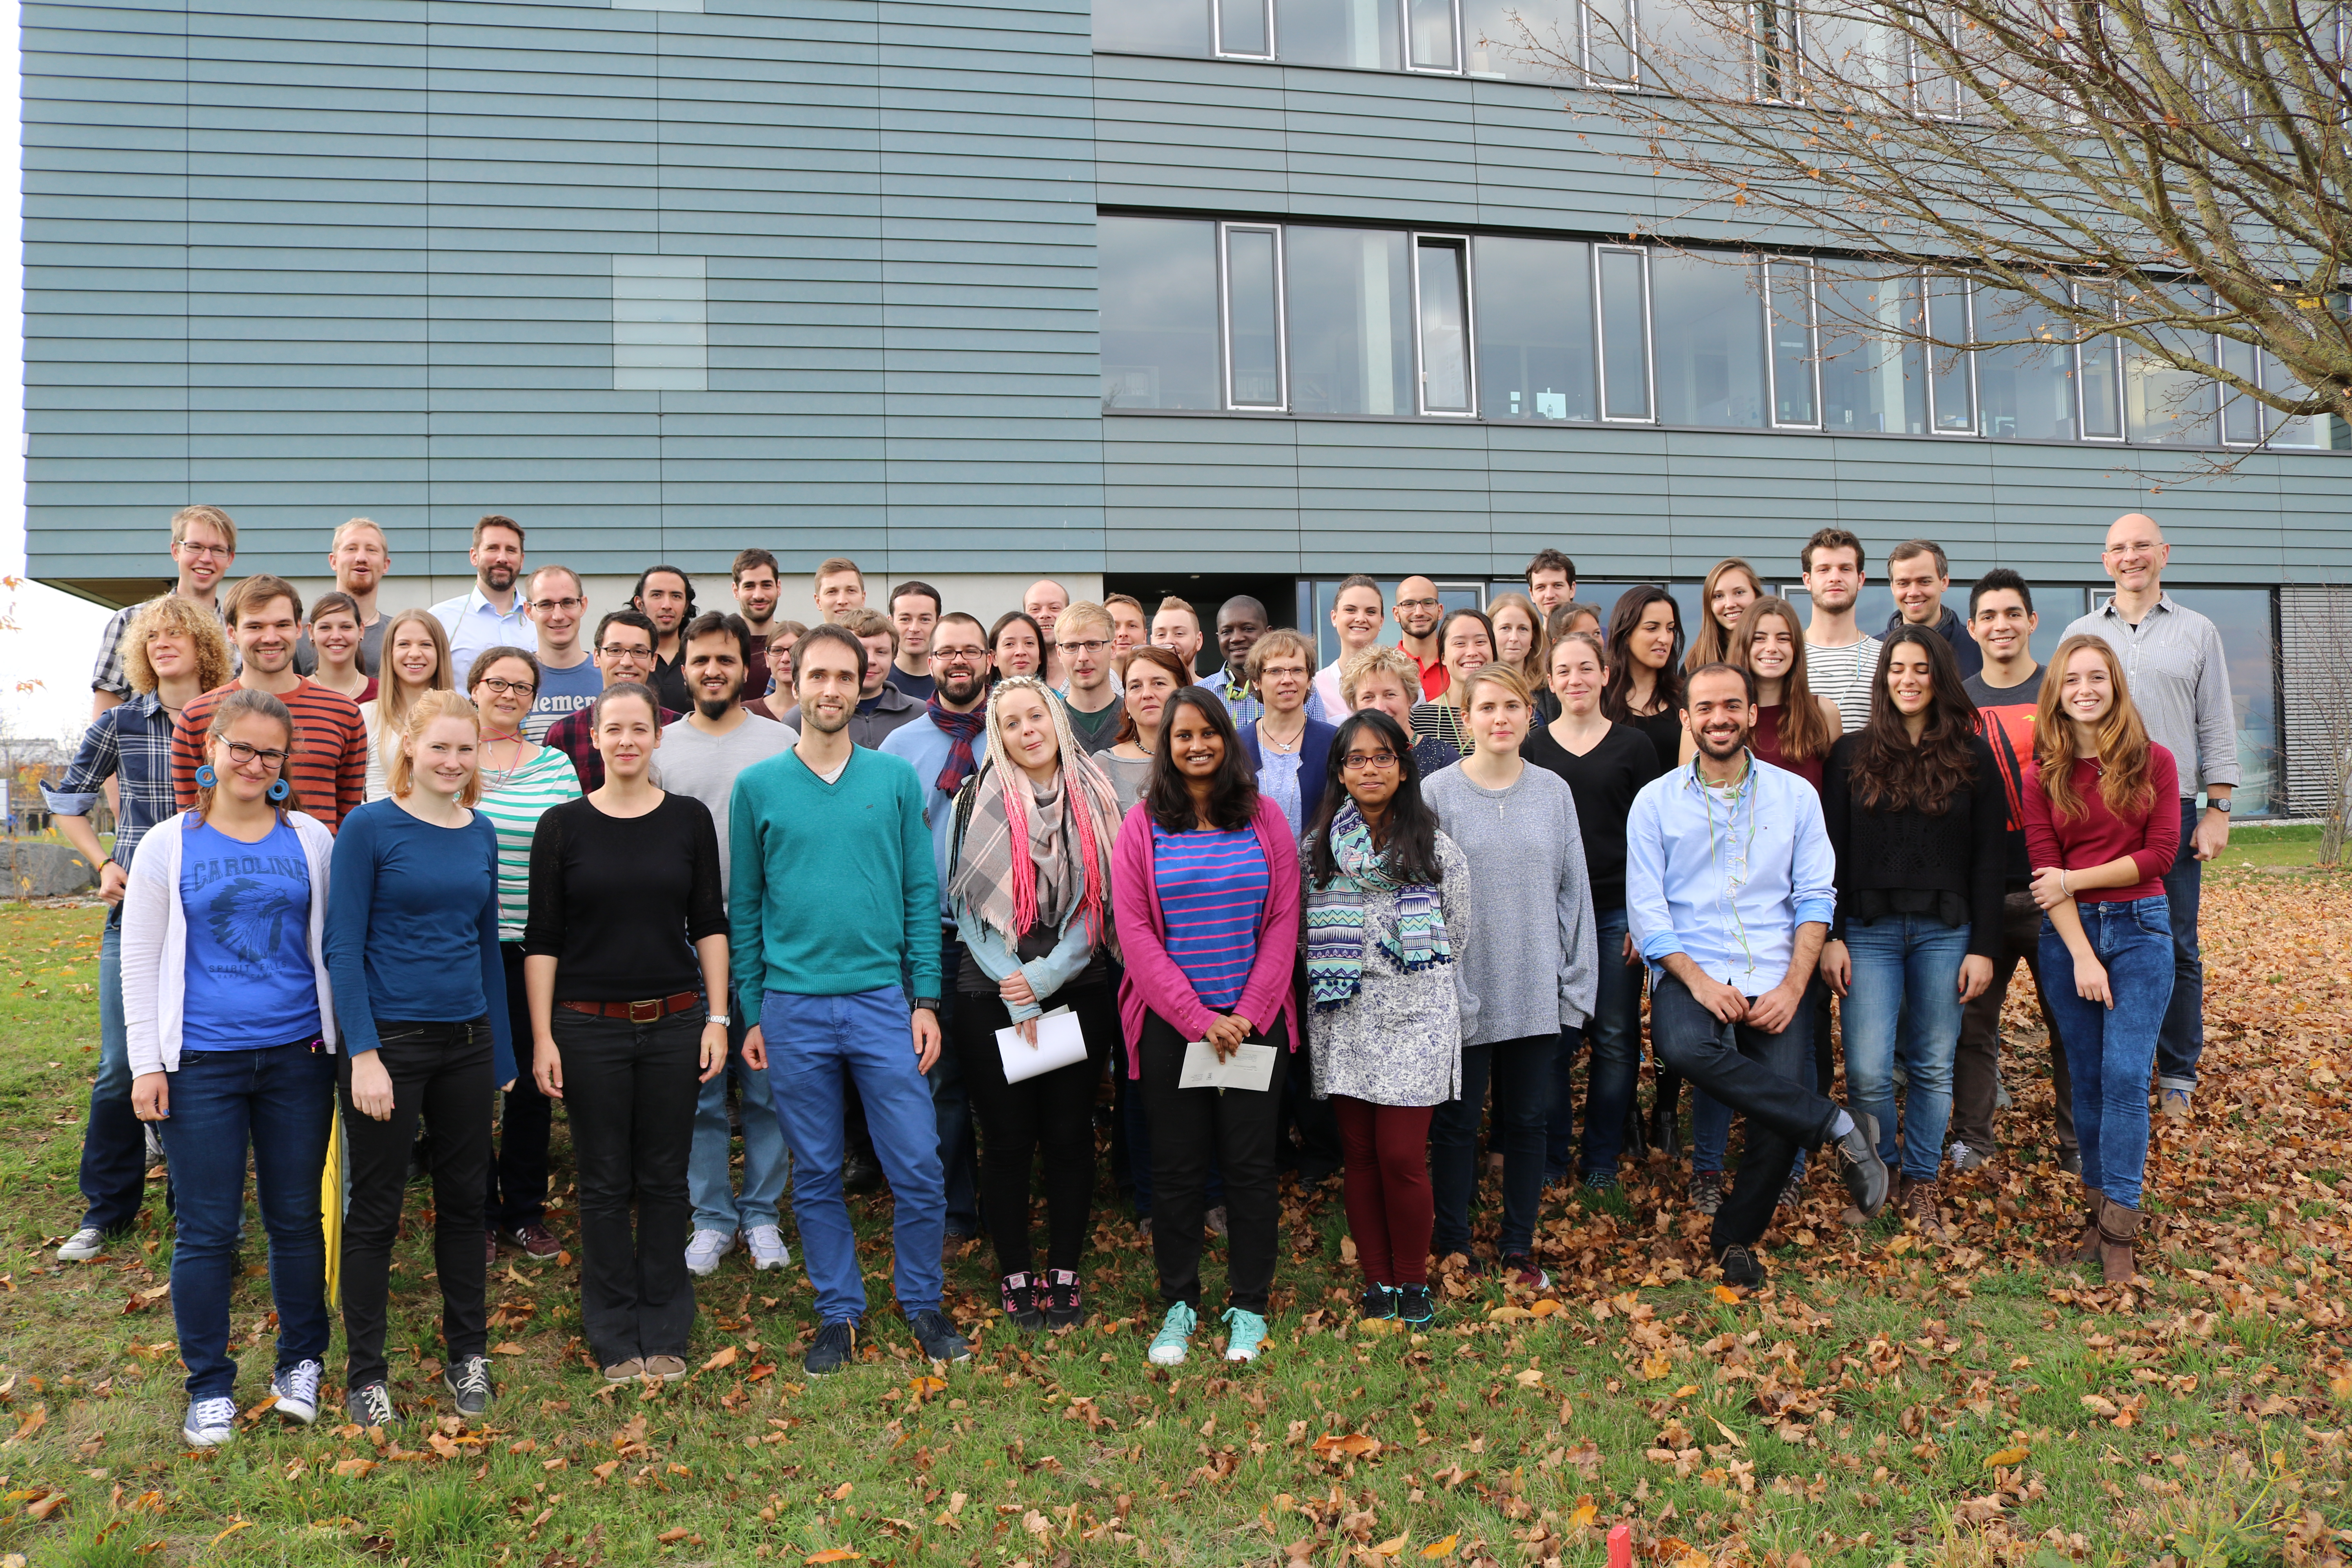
(1918, 818)
(1645, 691)
(626, 938)
(1605, 765)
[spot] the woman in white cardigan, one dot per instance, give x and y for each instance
(231, 1027)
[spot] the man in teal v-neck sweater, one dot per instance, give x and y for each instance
(835, 897)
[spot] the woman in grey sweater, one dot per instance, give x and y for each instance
(1532, 961)
(1386, 900)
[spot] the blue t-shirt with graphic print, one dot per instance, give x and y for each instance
(249, 981)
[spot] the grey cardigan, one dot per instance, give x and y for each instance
(1532, 961)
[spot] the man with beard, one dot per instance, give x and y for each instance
(493, 614)
(1841, 658)
(665, 596)
(831, 965)
(360, 561)
(1419, 612)
(881, 706)
(701, 755)
(1241, 621)
(943, 746)
(1729, 887)
(758, 583)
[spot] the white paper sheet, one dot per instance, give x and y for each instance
(1060, 1044)
(1250, 1067)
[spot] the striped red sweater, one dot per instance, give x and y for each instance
(330, 766)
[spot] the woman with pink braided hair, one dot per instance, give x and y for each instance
(1031, 886)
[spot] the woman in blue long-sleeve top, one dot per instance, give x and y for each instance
(420, 992)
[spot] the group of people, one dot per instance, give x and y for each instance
(905, 886)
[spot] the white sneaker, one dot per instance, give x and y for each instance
(84, 1246)
(210, 1422)
(766, 1245)
(1964, 1158)
(704, 1248)
(297, 1388)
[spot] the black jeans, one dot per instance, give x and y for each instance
(1191, 1128)
(1748, 1070)
(517, 1191)
(1052, 1114)
(441, 1071)
(1521, 1072)
(631, 1090)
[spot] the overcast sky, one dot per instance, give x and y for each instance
(56, 637)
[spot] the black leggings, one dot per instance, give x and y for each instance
(1052, 1113)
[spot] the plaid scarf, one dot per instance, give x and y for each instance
(961, 729)
(1335, 916)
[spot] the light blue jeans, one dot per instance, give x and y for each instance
(709, 1178)
(1904, 1005)
(2110, 1051)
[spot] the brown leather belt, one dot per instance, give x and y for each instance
(638, 1012)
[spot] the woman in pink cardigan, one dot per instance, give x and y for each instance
(1205, 884)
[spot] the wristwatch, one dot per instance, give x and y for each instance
(927, 1003)
(2221, 806)
(721, 1019)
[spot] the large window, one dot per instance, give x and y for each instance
(1249, 316)
(1359, 33)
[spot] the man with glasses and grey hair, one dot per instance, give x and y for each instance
(2178, 674)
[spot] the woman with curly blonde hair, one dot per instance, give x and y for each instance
(1031, 886)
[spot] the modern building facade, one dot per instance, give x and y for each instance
(1173, 294)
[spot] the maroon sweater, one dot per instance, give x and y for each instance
(2151, 837)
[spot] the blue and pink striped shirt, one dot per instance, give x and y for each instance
(1212, 888)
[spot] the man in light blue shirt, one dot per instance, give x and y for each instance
(945, 745)
(1729, 887)
(492, 615)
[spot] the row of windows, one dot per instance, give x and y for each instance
(1302, 319)
(1616, 44)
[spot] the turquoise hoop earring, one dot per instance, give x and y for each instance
(279, 789)
(205, 777)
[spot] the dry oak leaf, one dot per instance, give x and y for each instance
(1334, 1445)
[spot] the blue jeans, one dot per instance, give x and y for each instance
(1615, 1033)
(1904, 1002)
(277, 1101)
(816, 1046)
(2180, 1040)
(113, 1146)
(2109, 1050)
(709, 1176)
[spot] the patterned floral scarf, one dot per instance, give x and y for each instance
(1335, 916)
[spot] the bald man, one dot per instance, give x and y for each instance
(1419, 612)
(1045, 602)
(2179, 675)
(1241, 621)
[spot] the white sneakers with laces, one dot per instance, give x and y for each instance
(210, 1422)
(766, 1245)
(297, 1388)
(704, 1248)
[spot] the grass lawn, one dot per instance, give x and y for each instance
(1884, 1402)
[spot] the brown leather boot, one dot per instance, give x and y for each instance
(2118, 1229)
(2086, 1250)
(1919, 1207)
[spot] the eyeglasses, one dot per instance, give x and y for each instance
(625, 650)
(2144, 545)
(1379, 762)
(1419, 604)
(1093, 645)
(192, 548)
(240, 754)
(548, 606)
(520, 688)
(959, 654)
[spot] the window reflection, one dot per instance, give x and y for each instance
(2162, 405)
(1535, 329)
(1360, 33)
(1708, 330)
(1253, 317)
(1791, 324)
(1872, 381)
(2245, 618)
(1443, 299)
(2027, 391)
(1152, 27)
(1157, 284)
(1535, 41)
(1350, 321)
(1624, 334)
(1429, 29)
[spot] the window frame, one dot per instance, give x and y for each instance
(1461, 245)
(1600, 342)
(1587, 17)
(2122, 437)
(1217, 35)
(1281, 404)
(1967, 357)
(1461, 66)
(1791, 67)
(1812, 357)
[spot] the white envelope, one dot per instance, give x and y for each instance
(1250, 1067)
(1060, 1044)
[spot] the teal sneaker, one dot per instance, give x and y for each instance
(1175, 1336)
(1244, 1332)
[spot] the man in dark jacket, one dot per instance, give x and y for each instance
(1918, 573)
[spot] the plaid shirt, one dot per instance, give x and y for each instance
(108, 675)
(132, 743)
